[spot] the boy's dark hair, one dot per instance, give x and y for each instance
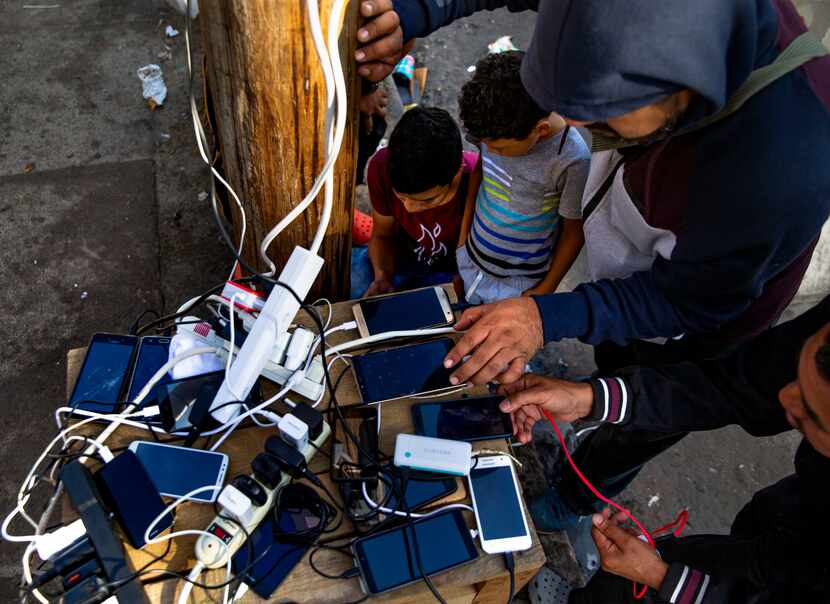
(424, 150)
(494, 103)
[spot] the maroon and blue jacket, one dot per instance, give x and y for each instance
(726, 216)
(776, 551)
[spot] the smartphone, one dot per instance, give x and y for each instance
(386, 560)
(153, 352)
(419, 492)
(498, 507)
(348, 462)
(177, 398)
(469, 419)
(417, 309)
(101, 382)
(274, 557)
(175, 471)
(410, 370)
(132, 498)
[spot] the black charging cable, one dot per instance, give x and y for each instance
(510, 563)
(411, 525)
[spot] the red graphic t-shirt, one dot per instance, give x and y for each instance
(432, 235)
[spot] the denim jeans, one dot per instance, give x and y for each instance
(408, 274)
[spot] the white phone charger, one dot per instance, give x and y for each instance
(236, 503)
(433, 454)
(293, 431)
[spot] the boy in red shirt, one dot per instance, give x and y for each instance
(417, 186)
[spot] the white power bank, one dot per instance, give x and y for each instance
(433, 454)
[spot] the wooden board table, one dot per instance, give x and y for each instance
(484, 581)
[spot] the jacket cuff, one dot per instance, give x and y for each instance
(612, 400)
(563, 315)
(414, 23)
(683, 585)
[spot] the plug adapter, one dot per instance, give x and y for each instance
(293, 431)
(236, 504)
(310, 417)
(291, 461)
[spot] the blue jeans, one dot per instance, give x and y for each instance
(408, 274)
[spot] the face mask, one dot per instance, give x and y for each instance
(604, 130)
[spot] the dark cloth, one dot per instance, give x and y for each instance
(367, 144)
(744, 221)
(774, 552)
(428, 238)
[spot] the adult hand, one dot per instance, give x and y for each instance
(381, 40)
(623, 554)
(528, 397)
(502, 337)
(379, 286)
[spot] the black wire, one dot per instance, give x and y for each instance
(510, 563)
(135, 325)
(411, 526)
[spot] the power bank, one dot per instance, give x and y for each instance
(433, 454)
(130, 496)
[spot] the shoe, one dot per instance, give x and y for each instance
(548, 588)
(361, 228)
(550, 513)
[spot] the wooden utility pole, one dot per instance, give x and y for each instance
(269, 97)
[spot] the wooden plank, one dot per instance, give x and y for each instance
(303, 584)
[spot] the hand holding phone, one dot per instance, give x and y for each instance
(469, 419)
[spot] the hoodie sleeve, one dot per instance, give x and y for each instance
(711, 394)
(420, 18)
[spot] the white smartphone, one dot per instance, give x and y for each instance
(416, 309)
(176, 471)
(500, 514)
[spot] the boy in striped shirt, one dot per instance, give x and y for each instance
(522, 226)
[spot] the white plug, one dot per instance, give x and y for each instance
(49, 544)
(293, 431)
(301, 342)
(236, 504)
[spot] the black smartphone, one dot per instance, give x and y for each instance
(177, 398)
(129, 494)
(386, 560)
(467, 419)
(275, 556)
(153, 352)
(404, 371)
(102, 380)
(419, 492)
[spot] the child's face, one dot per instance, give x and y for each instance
(431, 198)
(514, 147)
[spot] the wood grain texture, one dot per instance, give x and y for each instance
(483, 581)
(269, 98)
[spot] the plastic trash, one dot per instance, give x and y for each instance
(171, 32)
(503, 44)
(152, 79)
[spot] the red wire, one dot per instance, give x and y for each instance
(638, 594)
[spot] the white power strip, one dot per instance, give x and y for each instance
(209, 549)
(311, 386)
(299, 273)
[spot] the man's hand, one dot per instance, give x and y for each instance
(623, 554)
(502, 337)
(379, 286)
(381, 40)
(374, 103)
(529, 396)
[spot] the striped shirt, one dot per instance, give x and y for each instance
(519, 204)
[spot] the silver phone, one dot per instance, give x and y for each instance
(416, 309)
